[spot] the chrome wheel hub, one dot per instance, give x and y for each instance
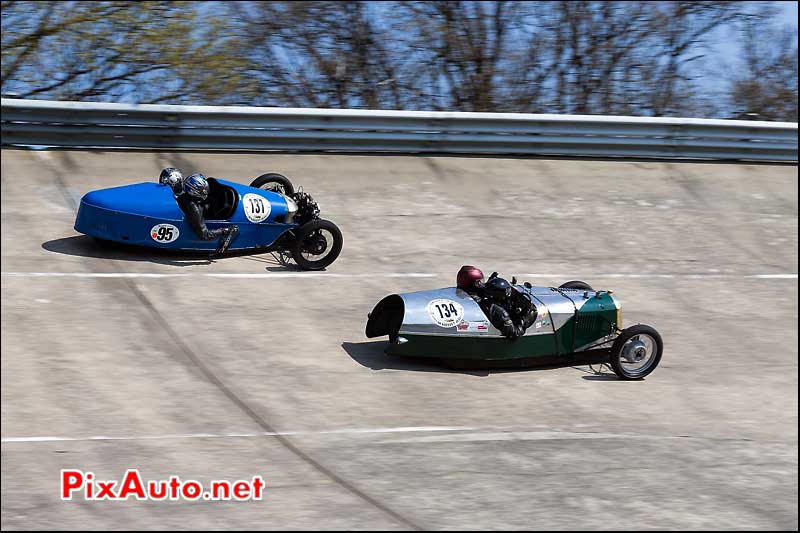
(634, 351)
(638, 354)
(316, 244)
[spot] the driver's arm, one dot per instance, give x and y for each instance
(524, 312)
(528, 318)
(501, 319)
(194, 216)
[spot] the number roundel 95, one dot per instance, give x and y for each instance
(164, 233)
(256, 208)
(446, 313)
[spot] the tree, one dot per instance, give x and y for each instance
(141, 51)
(320, 54)
(460, 49)
(593, 53)
(681, 30)
(767, 86)
(578, 56)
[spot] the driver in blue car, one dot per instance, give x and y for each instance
(195, 193)
(496, 299)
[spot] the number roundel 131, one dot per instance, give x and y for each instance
(256, 207)
(446, 313)
(164, 233)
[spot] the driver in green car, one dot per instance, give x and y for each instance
(496, 300)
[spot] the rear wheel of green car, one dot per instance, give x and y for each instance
(578, 285)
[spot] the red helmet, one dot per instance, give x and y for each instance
(469, 278)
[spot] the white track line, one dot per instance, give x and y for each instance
(667, 276)
(491, 436)
(323, 275)
(229, 275)
(345, 431)
(435, 434)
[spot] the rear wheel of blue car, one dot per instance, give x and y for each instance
(636, 352)
(316, 245)
(274, 182)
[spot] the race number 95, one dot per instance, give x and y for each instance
(164, 233)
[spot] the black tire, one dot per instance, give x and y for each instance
(271, 180)
(305, 232)
(580, 285)
(616, 359)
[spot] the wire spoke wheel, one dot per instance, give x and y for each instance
(274, 182)
(275, 187)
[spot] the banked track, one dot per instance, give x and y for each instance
(396, 444)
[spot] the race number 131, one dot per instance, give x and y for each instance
(256, 208)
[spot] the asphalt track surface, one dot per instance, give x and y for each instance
(113, 359)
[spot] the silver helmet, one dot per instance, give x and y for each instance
(170, 176)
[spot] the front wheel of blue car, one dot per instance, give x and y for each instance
(316, 245)
(636, 352)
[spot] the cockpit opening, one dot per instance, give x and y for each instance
(222, 201)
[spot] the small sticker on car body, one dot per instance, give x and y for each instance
(465, 326)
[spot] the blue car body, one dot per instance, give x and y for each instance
(147, 214)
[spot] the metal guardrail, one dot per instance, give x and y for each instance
(100, 125)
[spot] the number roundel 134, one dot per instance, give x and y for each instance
(256, 207)
(446, 313)
(164, 233)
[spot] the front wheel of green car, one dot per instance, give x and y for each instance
(636, 352)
